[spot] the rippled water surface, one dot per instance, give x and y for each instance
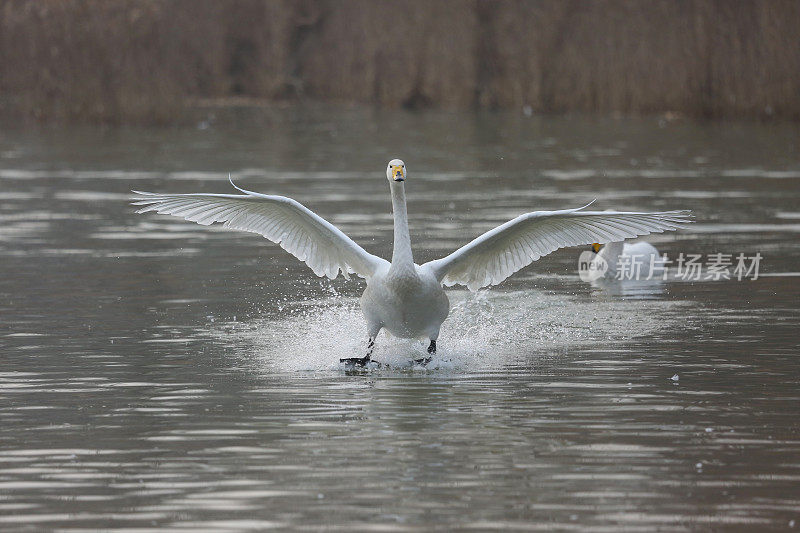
(156, 374)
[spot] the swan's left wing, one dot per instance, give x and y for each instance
(299, 231)
(498, 253)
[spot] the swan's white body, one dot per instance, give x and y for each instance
(402, 297)
(628, 261)
(408, 304)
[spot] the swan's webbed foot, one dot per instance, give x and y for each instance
(356, 361)
(431, 350)
(360, 361)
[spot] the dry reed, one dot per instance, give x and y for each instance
(143, 60)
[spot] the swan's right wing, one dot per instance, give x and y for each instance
(298, 230)
(498, 253)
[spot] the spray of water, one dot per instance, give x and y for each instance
(485, 330)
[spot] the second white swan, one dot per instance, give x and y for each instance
(403, 297)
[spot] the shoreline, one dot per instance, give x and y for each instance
(135, 62)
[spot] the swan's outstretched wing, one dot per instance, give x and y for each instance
(498, 253)
(299, 231)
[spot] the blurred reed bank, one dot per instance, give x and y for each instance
(146, 61)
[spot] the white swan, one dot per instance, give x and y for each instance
(626, 261)
(402, 297)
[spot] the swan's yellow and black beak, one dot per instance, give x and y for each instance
(397, 173)
(596, 247)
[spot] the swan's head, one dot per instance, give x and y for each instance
(396, 171)
(596, 247)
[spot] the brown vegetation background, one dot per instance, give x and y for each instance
(146, 60)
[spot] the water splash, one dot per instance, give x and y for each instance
(485, 330)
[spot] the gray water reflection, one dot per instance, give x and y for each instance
(160, 375)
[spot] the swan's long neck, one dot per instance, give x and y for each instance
(402, 260)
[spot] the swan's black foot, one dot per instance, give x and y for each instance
(360, 361)
(425, 360)
(356, 361)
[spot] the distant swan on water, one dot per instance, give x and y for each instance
(626, 261)
(402, 297)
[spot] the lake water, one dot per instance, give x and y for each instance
(157, 374)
